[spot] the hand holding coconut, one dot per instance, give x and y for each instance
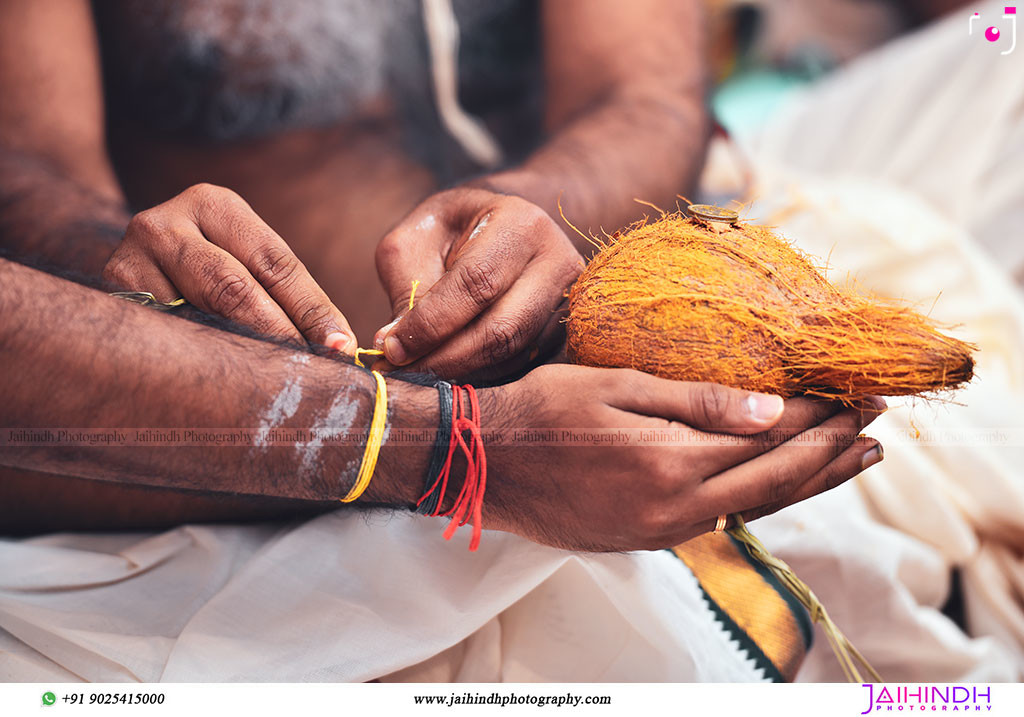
(704, 298)
(739, 452)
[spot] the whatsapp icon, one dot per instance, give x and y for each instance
(49, 698)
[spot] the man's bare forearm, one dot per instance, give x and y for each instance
(647, 147)
(47, 217)
(625, 110)
(75, 358)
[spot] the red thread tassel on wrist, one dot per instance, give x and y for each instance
(469, 503)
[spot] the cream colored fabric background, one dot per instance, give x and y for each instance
(907, 170)
(903, 168)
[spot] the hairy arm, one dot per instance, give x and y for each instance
(624, 108)
(76, 359)
(107, 364)
(59, 199)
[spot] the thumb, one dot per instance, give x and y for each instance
(708, 407)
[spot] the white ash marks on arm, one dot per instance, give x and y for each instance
(335, 424)
(284, 405)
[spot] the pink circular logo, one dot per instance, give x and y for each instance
(992, 34)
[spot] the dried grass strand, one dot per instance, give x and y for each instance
(849, 656)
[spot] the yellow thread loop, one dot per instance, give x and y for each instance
(373, 443)
(377, 353)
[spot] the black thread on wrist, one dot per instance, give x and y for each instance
(439, 453)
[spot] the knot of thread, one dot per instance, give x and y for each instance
(377, 353)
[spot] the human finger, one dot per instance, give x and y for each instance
(487, 265)
(522, 325)
(770, 477)
(216, 282)
(227, 221)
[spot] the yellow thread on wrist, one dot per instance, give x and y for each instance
(380, 414)
(373, 442)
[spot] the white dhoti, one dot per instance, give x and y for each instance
(350, 596)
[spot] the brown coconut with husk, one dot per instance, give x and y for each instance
(735, 304)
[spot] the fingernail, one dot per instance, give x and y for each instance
(378, 338)
(879, 403)
(394, 351)
(764, 406)
(873, 456)
(337, 340)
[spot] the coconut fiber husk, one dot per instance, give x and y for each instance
(738, 305)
